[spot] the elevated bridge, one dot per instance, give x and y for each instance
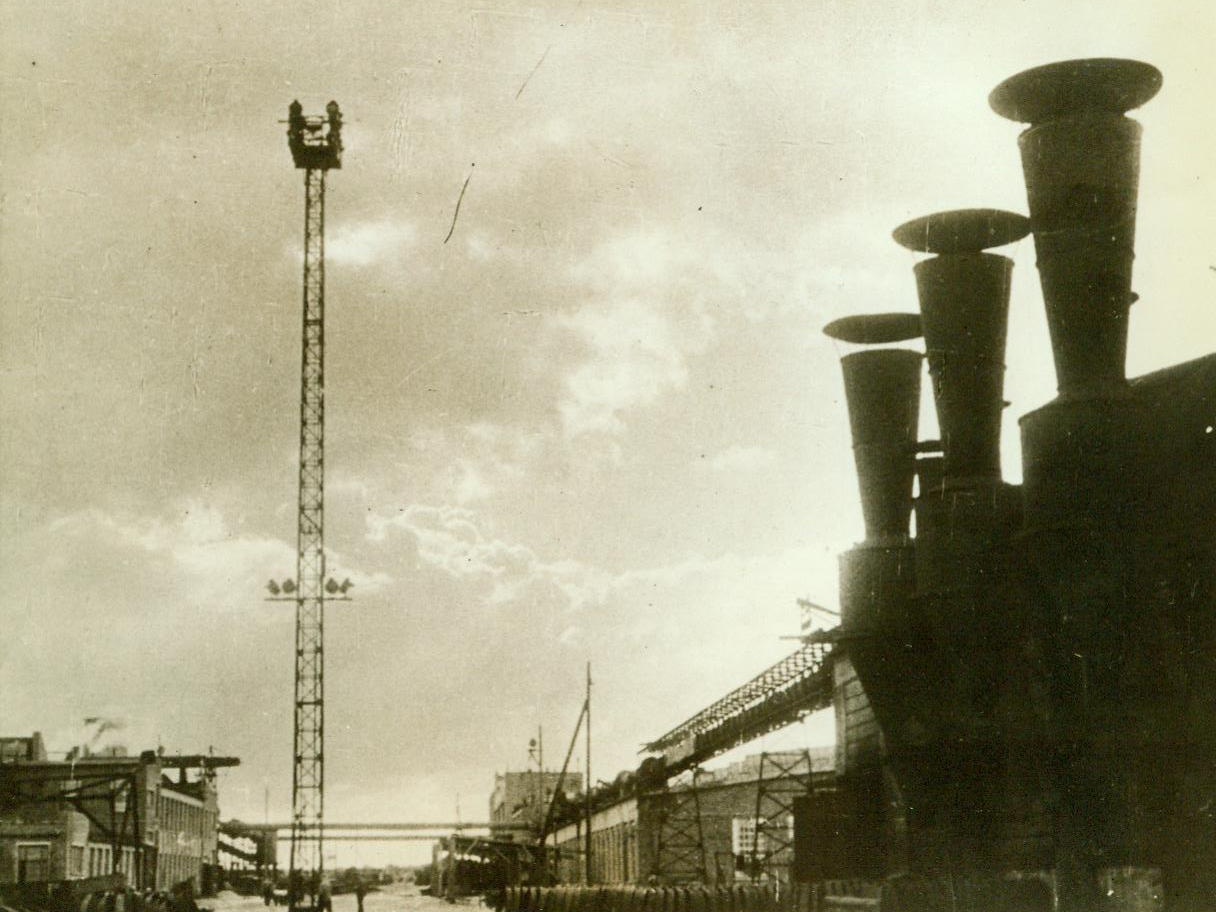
(799, 684)
(363, 831)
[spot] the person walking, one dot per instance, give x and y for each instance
(360, 892)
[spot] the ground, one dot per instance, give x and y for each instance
(392, 898)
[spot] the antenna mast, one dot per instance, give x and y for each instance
(316, 146)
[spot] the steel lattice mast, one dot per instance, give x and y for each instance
(315, 152)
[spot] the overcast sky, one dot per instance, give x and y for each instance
(599, 423)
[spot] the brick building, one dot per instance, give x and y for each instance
(732, 823)
(524, 797)
(106, 814)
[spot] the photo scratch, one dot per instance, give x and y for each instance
(528, 78)
(459, 200)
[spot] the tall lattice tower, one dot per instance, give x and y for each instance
(316, 147)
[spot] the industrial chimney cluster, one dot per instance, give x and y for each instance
(1040, 659)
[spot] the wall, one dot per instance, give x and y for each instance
(525, 796)
(185, 836)
(62, 834)
(639, 839)
(614, 853)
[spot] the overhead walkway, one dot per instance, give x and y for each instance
(800, 683)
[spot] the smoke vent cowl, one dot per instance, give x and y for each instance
(1080, 159)
(882, 390)
(964, 302)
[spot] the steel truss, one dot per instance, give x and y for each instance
(308, 779)
(782, 778)
(798, 684)
(680, 851)
(109, 797)
(315, 153)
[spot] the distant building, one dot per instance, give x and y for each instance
(524, 797)
(16, 750)
(106, 814)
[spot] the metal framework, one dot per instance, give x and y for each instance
(680, 850)
(798, 684)
(108, 793)
(315, 154)
(788, 777)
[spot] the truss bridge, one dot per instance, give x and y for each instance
(800, 683)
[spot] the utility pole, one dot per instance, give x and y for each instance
(587, 784)
(315, 152)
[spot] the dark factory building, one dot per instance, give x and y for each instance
(1035, 670)
(1024, 682)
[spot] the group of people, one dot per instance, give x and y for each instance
(179, 898)
(322, 898)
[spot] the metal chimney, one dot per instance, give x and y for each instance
(883, 632)
(964, 303)
(1081, 160)
(882, 389)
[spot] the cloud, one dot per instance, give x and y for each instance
(471, 485)
(739, 459)
(450, 538)
(634, 358)
(365, 243)
(643, 316)
(631, 263)
(485, 459)
(205, 561)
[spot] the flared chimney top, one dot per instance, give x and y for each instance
(1056, 90)
(875, 329)
(962, 231)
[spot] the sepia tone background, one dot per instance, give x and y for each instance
(599, 423)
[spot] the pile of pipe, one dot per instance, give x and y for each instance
(622, 898)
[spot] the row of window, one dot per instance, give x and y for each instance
(173, 869)
(181, 817)
(34, 862)
(614, 853)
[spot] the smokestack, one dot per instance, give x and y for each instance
(964, 304)
(882, 389)
(1081, 160)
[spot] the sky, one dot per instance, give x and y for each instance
(598, 424)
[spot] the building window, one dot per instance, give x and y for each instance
(743, 836)
(34, 863)
(76, 862)
(750, 847)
